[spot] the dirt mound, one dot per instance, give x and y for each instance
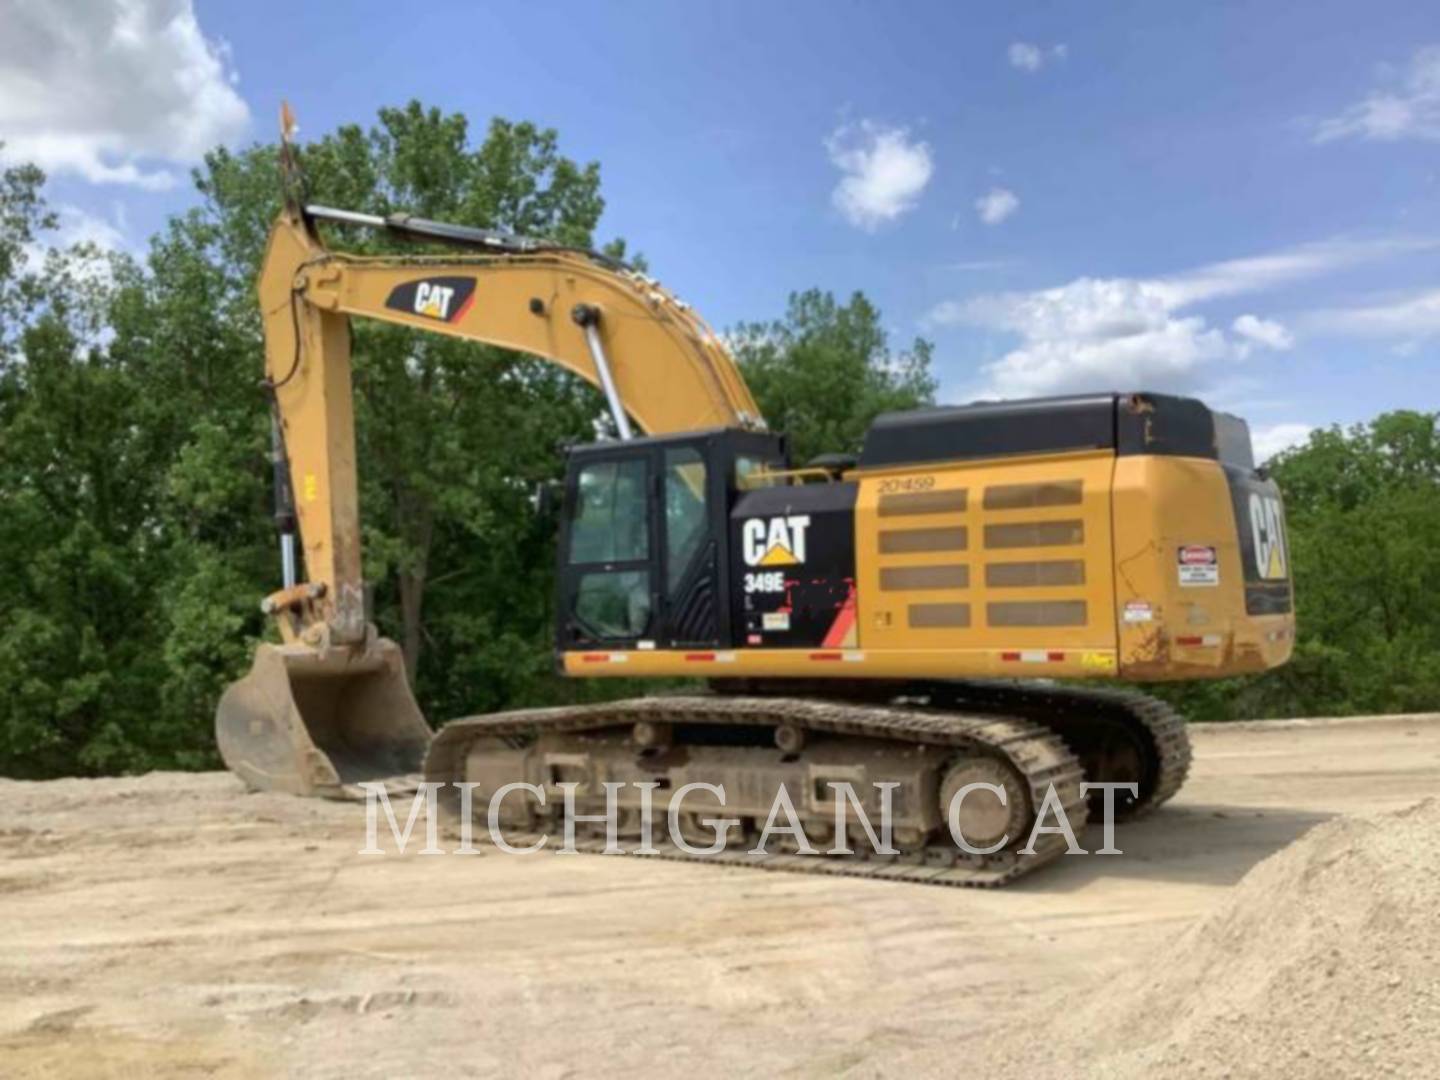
(1323, 962)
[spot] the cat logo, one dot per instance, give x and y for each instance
(433, 300)
(777, 541)
(1267, 528)
(445, 299)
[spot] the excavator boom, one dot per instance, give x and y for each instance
(331, 705)
(614, 327)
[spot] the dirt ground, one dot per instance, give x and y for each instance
(172, 925)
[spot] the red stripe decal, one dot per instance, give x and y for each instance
(826, 656)
(465, 307)
(595, 658)
(844, 620)
(1189, 641)
(1009, 656)
(699, 656)
(1055, 656)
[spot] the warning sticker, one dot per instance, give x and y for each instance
(1138, 611)
(776, 620)
(1198, 565)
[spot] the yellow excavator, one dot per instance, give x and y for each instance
(916, 616)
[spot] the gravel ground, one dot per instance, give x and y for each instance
(172, 925)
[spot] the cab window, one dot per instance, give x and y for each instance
(610, 532)
(614, 603)
(750, 472)
(685, 511)
(610, 522)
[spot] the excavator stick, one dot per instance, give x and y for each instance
(313, 722)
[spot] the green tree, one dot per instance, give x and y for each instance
(79, 662)
(133, 441)
(443, 500)
(826, 370)
(24, 217)
(1363, 507)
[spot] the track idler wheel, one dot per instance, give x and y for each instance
(982, 817)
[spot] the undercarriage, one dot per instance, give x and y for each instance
(963, 773)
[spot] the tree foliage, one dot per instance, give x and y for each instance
(825, 370)
(135, 479)
(79, 666)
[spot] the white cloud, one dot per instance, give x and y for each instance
(78, 226)
(1265, 333)
(1234, 277)
(948, 313)
(996, 205)
(1093, 334)
(1409, 317)
(1408, 110)
(884, 170)
(112, 90)
(1103, 333)
(1028, 57)
(1272, 439)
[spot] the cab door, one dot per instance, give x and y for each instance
(608, 553)
(642, 546)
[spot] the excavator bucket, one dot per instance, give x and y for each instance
(320, 723)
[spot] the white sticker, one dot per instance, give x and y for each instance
(1198, 565)
(775, 620)
(1138, 611)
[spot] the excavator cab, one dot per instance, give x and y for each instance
(644, 538)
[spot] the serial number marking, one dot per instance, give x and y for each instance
(906, 483)
(768, 582)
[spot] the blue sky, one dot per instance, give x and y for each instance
(1235, 200)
